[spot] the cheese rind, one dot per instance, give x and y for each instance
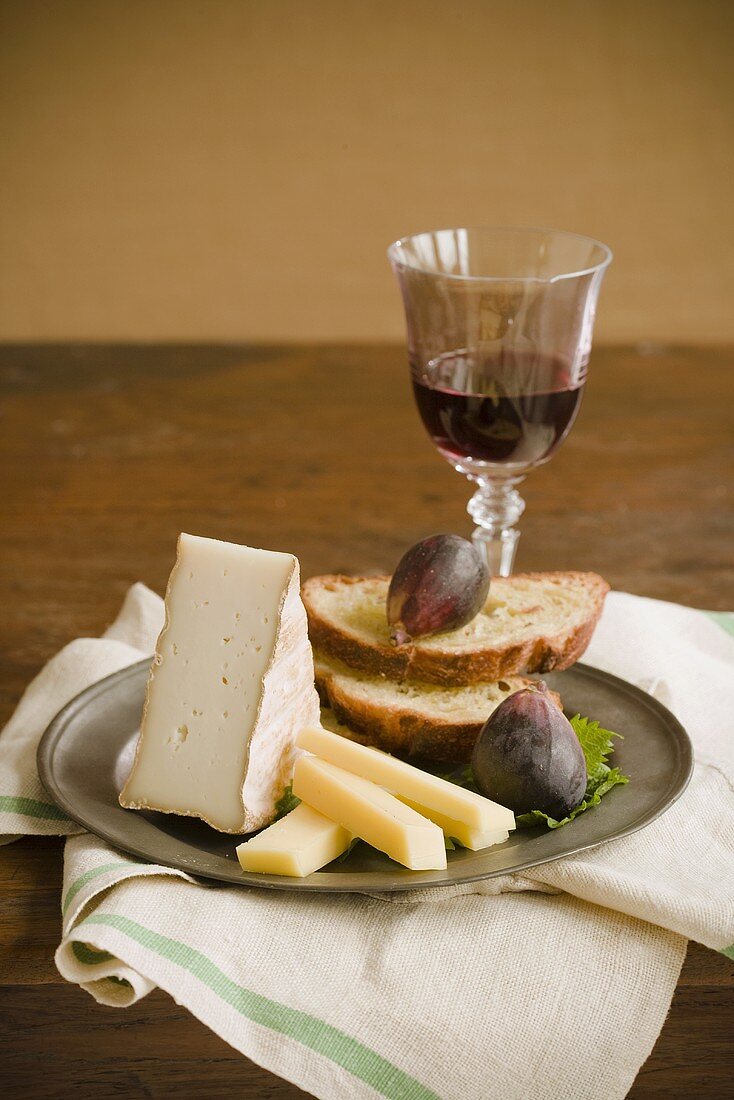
(369, 812)
(297, 845)
(230, 687)
(429, 791)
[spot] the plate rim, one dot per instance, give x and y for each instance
(56, 728)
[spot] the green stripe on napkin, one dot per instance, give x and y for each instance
(31, 807)
(89, 956)
(728, 951)
(313, 1033)
(724, 619)
(94, 873)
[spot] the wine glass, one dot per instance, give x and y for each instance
(499, 325)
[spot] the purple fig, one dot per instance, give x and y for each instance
(528, 757)
(440, 584)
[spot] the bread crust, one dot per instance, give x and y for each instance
(444, 666)
(402, 731)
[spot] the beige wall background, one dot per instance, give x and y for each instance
(234, 169)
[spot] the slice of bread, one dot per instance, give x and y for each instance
(410, 718)
(531, 622)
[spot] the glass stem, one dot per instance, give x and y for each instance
(495, 508)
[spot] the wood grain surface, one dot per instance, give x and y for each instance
(106, 453)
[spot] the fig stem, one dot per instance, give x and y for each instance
(399, 635)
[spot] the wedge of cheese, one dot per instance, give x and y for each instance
(230, 687)
(297, 845)
(369, 812)
(436, 797)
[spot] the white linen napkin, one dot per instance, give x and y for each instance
(552, 984)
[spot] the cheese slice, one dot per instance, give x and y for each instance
(230, 687)
(369, 812)
(297, 845)
(458, 830)
(434, 795)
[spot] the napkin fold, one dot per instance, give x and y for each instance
(526, 987)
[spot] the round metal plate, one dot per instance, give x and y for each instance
(86, 753)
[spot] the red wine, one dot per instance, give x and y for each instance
(514, 408)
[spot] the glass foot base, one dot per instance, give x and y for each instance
(497, 550)
(496, 508)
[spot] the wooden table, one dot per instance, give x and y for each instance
(108, 452)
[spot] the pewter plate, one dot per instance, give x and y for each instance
(87, 751)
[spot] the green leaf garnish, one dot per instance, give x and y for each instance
(597, 744)
(452, 843)
(287, 802)
(463, 778)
